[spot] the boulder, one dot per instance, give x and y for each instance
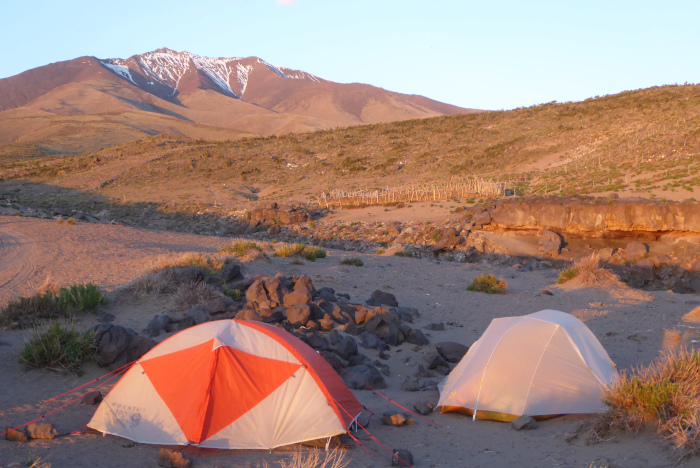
(42, 431)
(16, 435)
(110, 341)
(363, 377)
(393, 419)
(481, 220)
(298, 315)
(401, 457)
(158, 324)
(451, 351)
(382, 298)
(423, 407)
(636, 250)
(91, 398)
(296, 297)
(387, 327)
(524, 422)
(416, 337)
(346, 347)
(248, 313)
(303, 283)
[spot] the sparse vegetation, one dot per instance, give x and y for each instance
(354, 261)
(308, 252)
(57, 348)
(566, 275)
(666, 394)
(591, 273)
(403, 253)
(488, 284)
(240, 247)
(51, 303)
(210, 264)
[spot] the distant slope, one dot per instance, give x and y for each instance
(179, 92)
(644, 142)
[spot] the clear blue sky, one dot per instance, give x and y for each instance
(487, 54)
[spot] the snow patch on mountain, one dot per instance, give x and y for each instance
(118, 68)
(168, 66)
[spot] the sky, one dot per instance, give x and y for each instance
(494, 54)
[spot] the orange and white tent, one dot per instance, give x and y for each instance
(539, 365)
(228, 384)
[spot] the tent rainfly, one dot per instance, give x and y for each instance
(228, 384)
(539, 365)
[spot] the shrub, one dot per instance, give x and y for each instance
(58, 349)
(188, 295)
(313, 252)
(209, 263)
(50, 304)
(240, 247)
(287, 250)
(380, 251)
(566, 275)
(404, 253)
(666, 394)
(488, 284)
(591, 273)
(352, 261)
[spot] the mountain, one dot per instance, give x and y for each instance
(85, 104)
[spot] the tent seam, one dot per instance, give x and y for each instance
(539, 361)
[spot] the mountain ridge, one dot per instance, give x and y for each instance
(213, 98)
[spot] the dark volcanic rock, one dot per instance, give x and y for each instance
(382, 298)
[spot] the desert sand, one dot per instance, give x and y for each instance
(633, 326)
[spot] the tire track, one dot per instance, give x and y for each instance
(16, 260)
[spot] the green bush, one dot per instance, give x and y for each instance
(58, 349)
(488, 284)
(404, 253)
(566, 275)
(352, 261)
(51, 304)
(313, 252)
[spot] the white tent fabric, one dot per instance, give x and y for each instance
(542, 364)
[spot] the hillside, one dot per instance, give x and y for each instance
(87, 104)
(637, 143)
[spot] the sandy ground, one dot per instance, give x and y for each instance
(633, 326)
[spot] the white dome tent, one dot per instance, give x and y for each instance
(542, 364)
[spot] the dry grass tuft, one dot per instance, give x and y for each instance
(666, 394)
(211, 264)
(334, 458)
(589, 272)
(188, 295)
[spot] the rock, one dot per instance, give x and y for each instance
(393, 419)
(660, 260)
(422, 372)
(363, 377)
(447, 243)
(435, 360)
(423, 407)
(382, 298)
(346, 347)
(299, 315)
(91, 398)
(551, 247)
(247, 313)
(412, 384)
(416, 337)
(220, 305)
(231, 273)
(317, 342)
(451, 351)
(387, 327)
(296, 297)
(16, 435)
(605, 254)
(401, 457)
(195, 316)
(636, 250)
(303, 283)
(369, 340)
(524, 422)
(481, 220)
(138, 346)
(326, 323)
(158, 324)
(42, 431)
(169, 458)
(110, 341)
(327, 294)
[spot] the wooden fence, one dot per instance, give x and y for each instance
(451, 190)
